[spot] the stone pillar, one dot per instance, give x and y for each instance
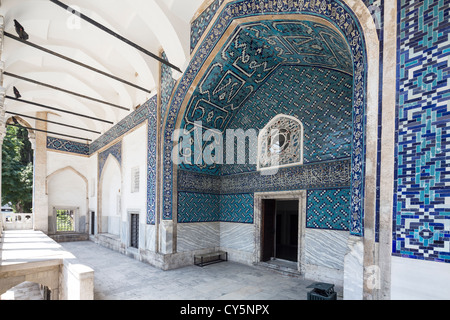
(40, 198)
(354, 269)
(2, 111)
(166, 236)
(2, 136)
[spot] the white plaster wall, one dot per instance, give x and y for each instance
(92, 176)
(111, 190)
(134, 154)
(59, 160)
(419, 280)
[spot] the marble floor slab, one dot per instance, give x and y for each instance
(118, 277)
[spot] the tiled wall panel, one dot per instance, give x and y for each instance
(422, 198)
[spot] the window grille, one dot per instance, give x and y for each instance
(65, 221)
(135, 180)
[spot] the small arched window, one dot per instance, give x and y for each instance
(280, 143)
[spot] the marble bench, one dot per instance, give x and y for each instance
(210, 258)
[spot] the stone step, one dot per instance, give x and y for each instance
(285, 270)
(70, 237)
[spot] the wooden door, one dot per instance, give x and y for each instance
(268, 229)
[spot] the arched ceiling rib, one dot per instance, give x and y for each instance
(151, 24)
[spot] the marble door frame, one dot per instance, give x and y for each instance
(299, 195)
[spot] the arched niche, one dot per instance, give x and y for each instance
(68, 189)
(109, 200)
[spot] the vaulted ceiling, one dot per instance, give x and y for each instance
(301, 68)
(152, 24)
(250, 57)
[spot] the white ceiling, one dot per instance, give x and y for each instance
(151, 24)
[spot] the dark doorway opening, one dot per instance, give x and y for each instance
(280, 230)
(134, 235)
(92, 222)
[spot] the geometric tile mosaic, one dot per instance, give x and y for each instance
(67, 146)
(319, 98)
(234, 193)
(328, 209)
(198, 207)
(206, 207)
(236, 208)
(422, 184)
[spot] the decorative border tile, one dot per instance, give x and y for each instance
(115, 151)
(131, 121)
(330, 174)
(152, 143)
(67, 146)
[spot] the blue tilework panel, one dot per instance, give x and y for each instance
(206, 207)
(151, 106)
(328, 209)
(221, 87)
(320, 98)
(67, 146)
(125, 125)
(167, 86)
(198, 207)
(115, 151)
(199, 25)
(422, 200)
(332, 174)
(236, 208)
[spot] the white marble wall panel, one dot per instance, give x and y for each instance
(237, 236)
(325, 248)
(150, 237)
(196, 236)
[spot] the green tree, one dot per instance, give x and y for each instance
(17, 170)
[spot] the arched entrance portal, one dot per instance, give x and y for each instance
(214, 93)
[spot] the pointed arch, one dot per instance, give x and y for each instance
(68, 168)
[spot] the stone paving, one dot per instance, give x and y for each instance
(24, 291)
(118, 277)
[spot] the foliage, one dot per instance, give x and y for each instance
(17, 170)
